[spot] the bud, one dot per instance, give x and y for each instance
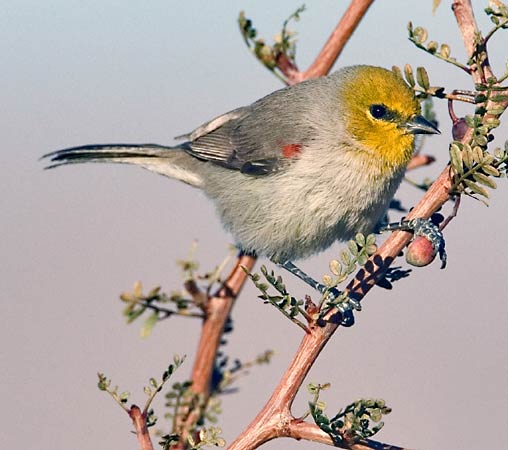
(459, 129)
(420, 252)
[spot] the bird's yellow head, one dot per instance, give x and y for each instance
(382, 113)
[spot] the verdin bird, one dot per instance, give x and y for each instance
(298, 169)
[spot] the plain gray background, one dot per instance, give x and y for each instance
(79, 72)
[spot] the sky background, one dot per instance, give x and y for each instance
(71, 240)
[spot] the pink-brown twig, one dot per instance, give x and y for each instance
(333, 47)
(217, 310)
(139, 421)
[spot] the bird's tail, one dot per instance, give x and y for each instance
(119, 153)
(173, 162)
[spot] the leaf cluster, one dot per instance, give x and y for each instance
(357, 253)
(180, 400)
(358, 420)
(474, 166)
(104, 384)
(288, 305)
(420, 83)
(159, 304)
(498, 14)
(153, 388)
(419, 35)
(284, 45)
(190, 302)
(208, 437)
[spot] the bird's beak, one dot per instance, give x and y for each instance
(420, 125)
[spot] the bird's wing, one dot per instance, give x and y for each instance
(256, 139)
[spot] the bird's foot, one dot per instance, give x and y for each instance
(344, 304)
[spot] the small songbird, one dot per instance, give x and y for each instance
(298, 169)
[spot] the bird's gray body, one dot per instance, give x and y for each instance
(284, 206)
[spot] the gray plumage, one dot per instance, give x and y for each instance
(284, 206)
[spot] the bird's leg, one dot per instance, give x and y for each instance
(290, 267)
(332, 293)
(422, 227)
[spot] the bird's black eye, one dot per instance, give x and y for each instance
(378, 111)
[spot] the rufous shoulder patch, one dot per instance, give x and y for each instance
(291, 150)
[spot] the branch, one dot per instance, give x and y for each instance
(337, 40)
(420, 160)
(275, 419)
(217, 310)
(139, 421)
(311, 432)
(468, 28)
(332, 48)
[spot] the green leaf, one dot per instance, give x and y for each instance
(335, 267)
(327, 280)
(360, 239)
(408, 72)
(422, 77)
(467, 156)
(456, 159)
(312, 388)
(477, 154)
(397, 71)
(476, 189)
(420, 34)
(485, 180)
(491, 170)
(499, 98)
(103, 383)
(320, 405)
(149, 324)
(371, 249)
(496, 111)
(444, 51)
(371, 239)
(345, 257)
(492, 122)
(481, 140)
(132, 315)
(353, 248)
